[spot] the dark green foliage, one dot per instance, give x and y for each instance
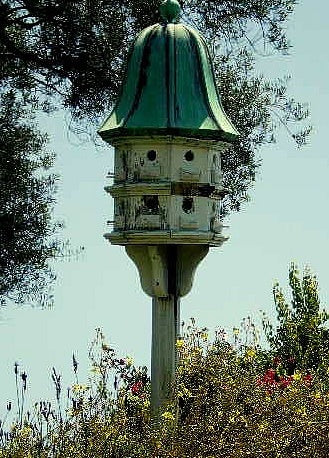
(301, 339)
(75, 50)
(26, 198)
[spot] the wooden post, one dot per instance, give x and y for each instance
(166, 273)
(165, 330)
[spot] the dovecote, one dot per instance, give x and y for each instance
(169, 130)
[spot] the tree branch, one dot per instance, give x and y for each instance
(28, 56)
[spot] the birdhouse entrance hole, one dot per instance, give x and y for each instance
(189, 156)
(151, 203)
(187, 205)
(151, 155)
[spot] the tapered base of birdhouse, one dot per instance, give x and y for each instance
(167, 269)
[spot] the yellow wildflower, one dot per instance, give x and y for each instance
(168, 416)
(262, 426)
(121, 440)
(297, 376)
(250, 353)
(184, 392)
(95, 369)
(179, 343)
(26, 431)
(146, 404)
(204, 336)
(77, 388)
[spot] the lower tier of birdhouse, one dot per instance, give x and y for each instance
(162, 219)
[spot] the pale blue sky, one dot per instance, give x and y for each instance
(287, 219)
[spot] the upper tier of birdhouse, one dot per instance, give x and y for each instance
(169, 88)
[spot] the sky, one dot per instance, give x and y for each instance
(286, 220)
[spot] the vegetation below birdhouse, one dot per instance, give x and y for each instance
(235, 397)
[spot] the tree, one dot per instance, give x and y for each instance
(72, 54)
(27, 241)
(300, 339)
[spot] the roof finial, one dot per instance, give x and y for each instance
(170, 10)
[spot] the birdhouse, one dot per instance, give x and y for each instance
(169, 130)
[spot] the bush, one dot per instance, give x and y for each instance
(234, 399)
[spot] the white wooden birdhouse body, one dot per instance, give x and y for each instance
(167, 190)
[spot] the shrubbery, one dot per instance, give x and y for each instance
(234, 398)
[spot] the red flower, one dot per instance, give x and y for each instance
(272, 380)
(268, 379)
(308, 379)
(135, 389)
(269, 376)
(285, 382)
(276, 361)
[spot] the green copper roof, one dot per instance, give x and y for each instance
(170, 10)
(169, 87)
